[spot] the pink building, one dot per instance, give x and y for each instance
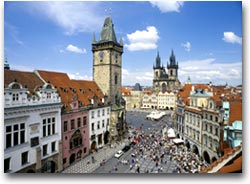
(75, 136)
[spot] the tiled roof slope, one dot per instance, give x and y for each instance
(72, 90)
(87, 90)
(126, 91)
(235, 111)
(231, 161)
(26, 79)
(184, 93)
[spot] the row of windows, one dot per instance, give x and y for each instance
(209, 128)
(194, 134)
(15, 134)
(45, 148)
(15, 96)
(24, 160)
(99, 125)
(81, 122)
(210, 143)
(211, 117)
(99, 113)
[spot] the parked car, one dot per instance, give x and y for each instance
(119, 154)
(126, 148)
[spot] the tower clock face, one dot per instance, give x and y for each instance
(101, 55)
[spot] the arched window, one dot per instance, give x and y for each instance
(116, 78)
(156, 73)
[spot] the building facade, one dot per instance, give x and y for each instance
(85, 115)
(133, 96)
(32, 124)
(203, 113)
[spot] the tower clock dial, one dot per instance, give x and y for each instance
(101, 55)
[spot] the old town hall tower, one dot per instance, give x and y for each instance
(107, 73)
(107, 61)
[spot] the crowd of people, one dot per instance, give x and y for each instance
(159, 148)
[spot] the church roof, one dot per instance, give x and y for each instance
(137, 87)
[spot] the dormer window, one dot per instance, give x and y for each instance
(82, 91)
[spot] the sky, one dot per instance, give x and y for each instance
(206, 37)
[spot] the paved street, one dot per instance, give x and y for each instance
(86, 166)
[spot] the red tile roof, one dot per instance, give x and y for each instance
(233, 165)
(72, 90)
(125, 91)
(235, 111)
(26, 79)
(148, 92)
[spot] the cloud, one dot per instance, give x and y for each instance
(13, 31)
(200, 71)
(77, 76)
(206, 70)
(230, 37)
(167, 5)
(143, 40)
(73, 17)
(75, 49)
(134, 76)
(187, 46)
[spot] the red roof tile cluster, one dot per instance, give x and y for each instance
(73, 90)
(235, 111)
(234, 165)
(125, 91)
(184, 93)
(26, 79)
(148, 92)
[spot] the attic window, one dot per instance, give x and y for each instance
(82, 91)
(91, 90)
(73, 90)
(16, 86)
(64, 90)
(80, 104)
(49, 86)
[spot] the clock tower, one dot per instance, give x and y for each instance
(107, 61)
(107, 73)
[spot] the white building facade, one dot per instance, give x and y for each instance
(99, 126)
(32, 128)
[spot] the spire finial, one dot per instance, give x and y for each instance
(121, 41)
(6, 64)
(93, 39)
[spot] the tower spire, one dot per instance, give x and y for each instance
(108, 32)
(158, 60)
(6, 64)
